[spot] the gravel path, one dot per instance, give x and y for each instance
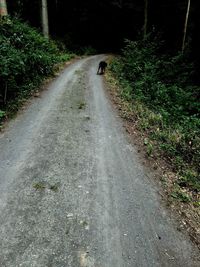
(73, 192)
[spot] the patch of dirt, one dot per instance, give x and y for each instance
(187, 215)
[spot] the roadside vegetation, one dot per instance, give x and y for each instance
(163, 102)
(26, 59)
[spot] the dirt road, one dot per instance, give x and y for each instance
(73, 191)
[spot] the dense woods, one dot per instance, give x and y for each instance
(159, 64)
(105, 24)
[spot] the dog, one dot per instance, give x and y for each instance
(102, 67)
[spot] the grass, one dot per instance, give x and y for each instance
(180, 195)
(2, 116)
(160, 140)
(81, 105)
(54, 188)
(39, 186)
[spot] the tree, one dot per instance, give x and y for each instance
(145, 17)
(45, 22)
(186, 26)
(3, 8)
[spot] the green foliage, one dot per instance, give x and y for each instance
(2, 115)
(39, 186)
(65, 57)
(162, 82)
(26, 57)
(87, 50)
(181, 196)
(81, 105)
(189, 179)
(165, 100)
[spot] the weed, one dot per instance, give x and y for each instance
(39, 186)
(84, 223)
(189, 179)
(196, 204)
(163, 180)
(54, 188)
(81, 105)
(2, 115)
(181, 196)
(149, 149)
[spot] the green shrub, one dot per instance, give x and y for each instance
(2, 114)
(162, 82)
(87, 50)
(26, 57)
(169, 100)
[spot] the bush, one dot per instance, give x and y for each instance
(163, 84)
(26, 57)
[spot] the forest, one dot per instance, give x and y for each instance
(105, 24)
(157, 62)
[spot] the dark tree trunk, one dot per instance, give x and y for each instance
(186, 26)
(145, 17)
(45, 23)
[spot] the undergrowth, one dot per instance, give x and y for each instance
(26, 58)
(165, 103)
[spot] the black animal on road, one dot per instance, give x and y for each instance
(102, 67)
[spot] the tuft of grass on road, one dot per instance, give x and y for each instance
(81, 105)
(54, 188)
(39, 186)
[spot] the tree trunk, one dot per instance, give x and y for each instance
(45, 23)
(186, 26)
(5, 93)
(145, 17)
(3, 8)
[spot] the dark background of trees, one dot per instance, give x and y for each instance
(104, 24)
